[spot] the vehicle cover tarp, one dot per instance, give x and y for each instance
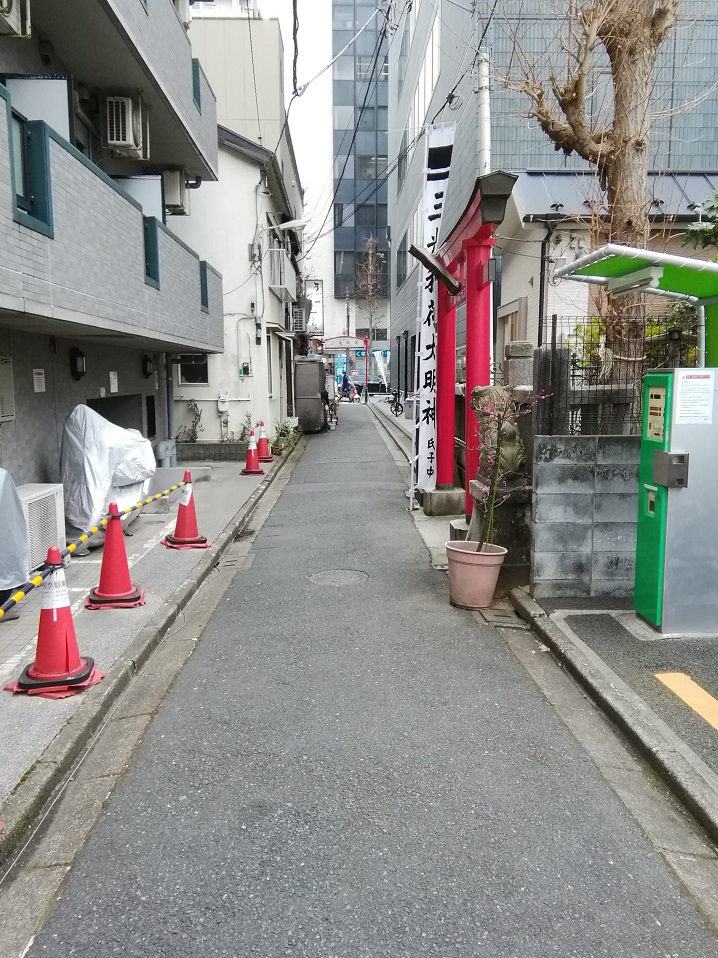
(13, 549)
(101, 463)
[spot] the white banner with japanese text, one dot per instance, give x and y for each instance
(440, 140)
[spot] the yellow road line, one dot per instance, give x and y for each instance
(692, 694)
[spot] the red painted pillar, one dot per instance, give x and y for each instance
(445, 389)
(478, 347)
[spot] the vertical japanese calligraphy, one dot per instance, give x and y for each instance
(439, 147)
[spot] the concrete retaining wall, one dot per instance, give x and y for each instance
(584, 514)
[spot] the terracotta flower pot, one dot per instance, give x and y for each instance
(473, 575)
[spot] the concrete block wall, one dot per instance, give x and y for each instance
(584, 515)
(30, 444)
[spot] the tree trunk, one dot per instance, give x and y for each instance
(632, 61)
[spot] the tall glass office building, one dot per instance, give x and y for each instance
(360, 97)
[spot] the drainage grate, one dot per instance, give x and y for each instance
(503, 618)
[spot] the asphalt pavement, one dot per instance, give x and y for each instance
(348, 767)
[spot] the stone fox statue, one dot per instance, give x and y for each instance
(495, 414)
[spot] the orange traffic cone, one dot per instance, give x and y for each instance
(252, 467)
(186, 534)
(58, 670)
(263, 453)
(115, 590)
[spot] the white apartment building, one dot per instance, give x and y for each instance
(240, 219)
(108, 121)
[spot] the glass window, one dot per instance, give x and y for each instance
(344, 262)
(338, 214)
(384, 69)
(362, 14)
(344, 68)
(401, 260)
(19, 161)
(367, 118)
(365, 215)
(340, 170)
(193, 369)
(366, 167)
(404, 53)
(402, 161)
(364, 68)
(382, 118)
(343, 18)
(381, 214)
(343, 117)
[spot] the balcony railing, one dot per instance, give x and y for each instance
(90, 256)
(282, 278)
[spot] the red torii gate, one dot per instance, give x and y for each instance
(465, 254)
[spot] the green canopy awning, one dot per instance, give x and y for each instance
(682, 276)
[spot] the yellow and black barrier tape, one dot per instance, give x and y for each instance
(37, 580)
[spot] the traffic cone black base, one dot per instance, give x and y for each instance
(186, 534)
(115, 590)
(27, 683)
(172, 542)
(131, 601)
(58, 669)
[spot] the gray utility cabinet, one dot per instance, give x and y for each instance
(309, 381)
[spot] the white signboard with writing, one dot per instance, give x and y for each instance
(694, 396)
(439, 146)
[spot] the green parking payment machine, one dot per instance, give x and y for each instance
(676, 587)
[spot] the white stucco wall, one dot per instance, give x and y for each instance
(227, 217)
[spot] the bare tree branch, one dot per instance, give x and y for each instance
(664, 20)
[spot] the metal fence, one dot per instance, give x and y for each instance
(590, 370)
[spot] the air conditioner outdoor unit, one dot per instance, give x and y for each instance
(127, 127)
(184, 12)
(176, 192)
(15, 18)
(44, 508)
(299, 320)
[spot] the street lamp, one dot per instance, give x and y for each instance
(495, 190)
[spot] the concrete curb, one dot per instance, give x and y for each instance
(686, 774)
(22, 807)
(391, 430)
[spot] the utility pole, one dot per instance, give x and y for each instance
(347, 332)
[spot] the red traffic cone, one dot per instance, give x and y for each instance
(58, 670)
(263, 453)
(115, 590)
(252, 467)
(186, 534)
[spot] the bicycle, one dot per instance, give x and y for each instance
(395, 405)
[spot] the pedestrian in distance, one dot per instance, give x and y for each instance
(346, 385)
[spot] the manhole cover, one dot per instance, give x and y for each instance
(338, 577)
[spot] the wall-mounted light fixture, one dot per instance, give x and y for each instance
(78, 365)
(148, 366)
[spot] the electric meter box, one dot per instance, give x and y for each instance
(677, 535)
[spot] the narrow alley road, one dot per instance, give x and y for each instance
(347, 767)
